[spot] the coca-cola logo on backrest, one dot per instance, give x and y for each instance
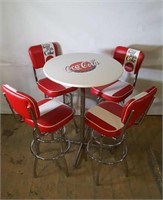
(131, 58)
(48, 51)
(82, 66)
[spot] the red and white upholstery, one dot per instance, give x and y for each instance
(45, 116)
(119, 90)
(39, 55)
(49, 114)
(111, 120)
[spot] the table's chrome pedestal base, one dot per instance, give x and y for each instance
(77, 158)
(82, 128)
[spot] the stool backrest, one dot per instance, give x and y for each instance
(20, 102)
(131, 59)
(41, 53)
(139, 105)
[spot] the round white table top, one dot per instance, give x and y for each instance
(83, 70)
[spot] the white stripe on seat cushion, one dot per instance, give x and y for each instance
(107, 117)
(112, 89)
(66, 86)
(142, 94)
(11, 88)
(48, 106)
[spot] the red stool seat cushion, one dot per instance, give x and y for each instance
(116, 91)
(53, 89)
(53, 115)
(105, 118)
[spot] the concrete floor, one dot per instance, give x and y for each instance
(144, 160)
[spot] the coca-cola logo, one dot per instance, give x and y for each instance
(81, 66)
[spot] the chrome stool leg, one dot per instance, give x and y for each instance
(63, 139)
(125, 160)
(126, 167)
(35, 167)
(58, 137)
(37, 147)
(100, 159)
(96, 147)
(68, 100)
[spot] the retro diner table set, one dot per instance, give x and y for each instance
(82, 70)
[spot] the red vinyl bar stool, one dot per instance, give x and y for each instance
(119, 90)
(48, 119)
(40, 54)
(109, 121)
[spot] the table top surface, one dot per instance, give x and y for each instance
(83, 70)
